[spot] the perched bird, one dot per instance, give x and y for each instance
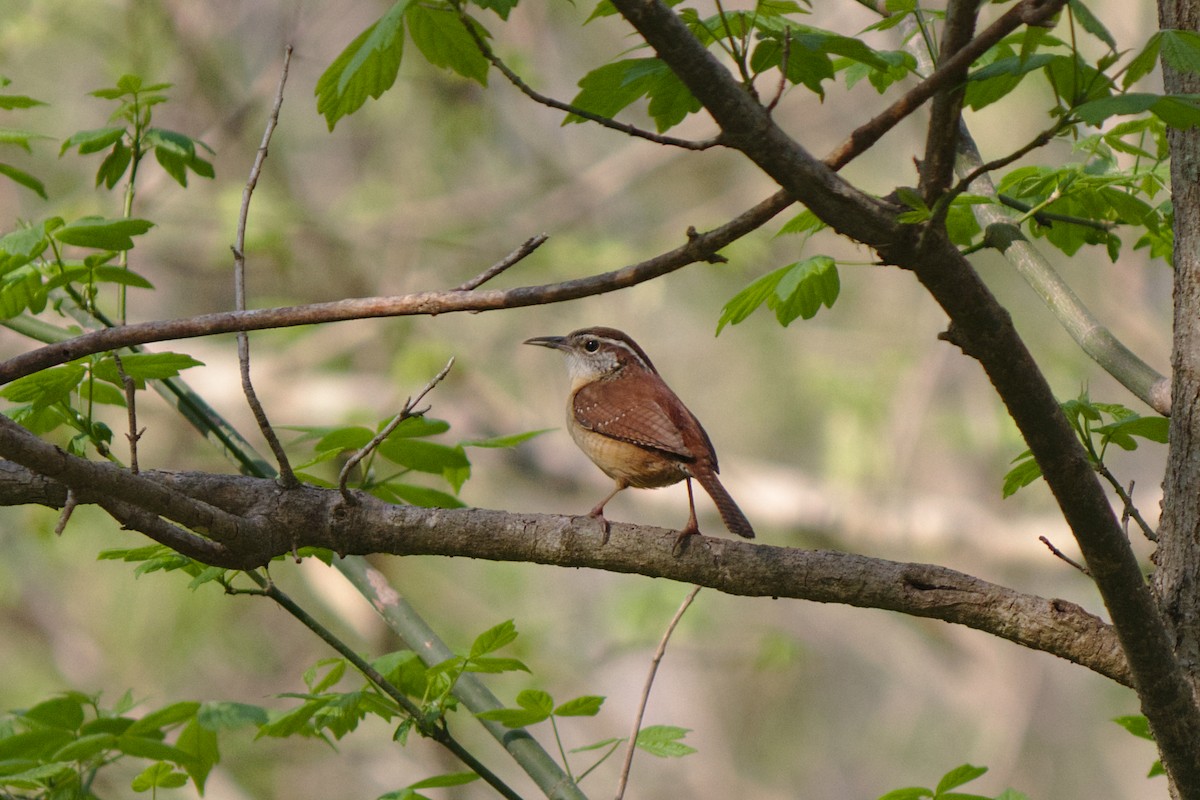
(633, 427)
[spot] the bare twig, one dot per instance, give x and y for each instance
(287, 478)
(405, 413)
(1064, 556)
(784, 57)
(559, 105)
(641, 709)
(131, 412)
(529, 245)
(1129, 510)
(67, 510)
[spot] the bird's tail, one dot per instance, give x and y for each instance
(732, 516)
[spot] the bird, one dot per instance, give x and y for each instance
(625, 418)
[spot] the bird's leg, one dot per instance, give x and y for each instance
(692, 528)
(598, 511)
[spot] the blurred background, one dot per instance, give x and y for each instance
(857, 430)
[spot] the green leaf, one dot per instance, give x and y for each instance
(166, 717)
(1143, 63)
(220, 715)
(804, 288)
(511, 440)
(1024, 473)
(1136, 724)
(536, 700)
(45, 387)
(585, 706)
(42, 775)
(22, 178)
(102, 234)
(420, 496)
(64, 712)
(144, 747)
(145, 366)
(663, 741)
(607, 90)
(36, 744)
(908, 793)
(86, 747)
(1090, 23)
(486, 664)
(959, 776)
(445, 42)
(1181, 50)
(501, 7)
(797, 290)
(113, 167)
(494, 638)
(8, 102)
(156, 776)
(804, 222)
(1097, 111)
(449, 779)
(423, 456)
(367, 67)
(93, 141)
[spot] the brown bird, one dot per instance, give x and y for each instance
(633, 427)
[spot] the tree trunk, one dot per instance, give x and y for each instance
(1178, 556)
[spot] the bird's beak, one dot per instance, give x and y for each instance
(556, 342)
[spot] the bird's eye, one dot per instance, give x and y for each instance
(591, 345)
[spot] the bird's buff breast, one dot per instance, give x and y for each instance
(622, 461)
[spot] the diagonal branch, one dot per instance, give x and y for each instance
(701, 247)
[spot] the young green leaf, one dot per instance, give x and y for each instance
(1024, 473)
(22, 178)
(159, 775)
(366, 68)
(102, 234)
(494, 638)
(959, 776)
(440, 36)
(663, 741)
(585, 706)
(45, 387)
(512, 440)
(449, 779)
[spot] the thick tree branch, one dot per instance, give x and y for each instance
(309, 516)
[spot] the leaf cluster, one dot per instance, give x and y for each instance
(1087, 418)
(945, 789)
(56, 748)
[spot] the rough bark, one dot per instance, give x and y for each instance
(1178, 556)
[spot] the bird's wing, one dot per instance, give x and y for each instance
(638, 412)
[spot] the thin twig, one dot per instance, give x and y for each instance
(1064, 556)
(529, 245)
(1129, 511)
(131, 412)
(67, 510)
(784, 57)
(287, 478)
(559, 105)
(1047, 218)
(436, 730)
(641, 709)
(405, 413)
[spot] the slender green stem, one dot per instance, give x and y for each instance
(438, 732)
